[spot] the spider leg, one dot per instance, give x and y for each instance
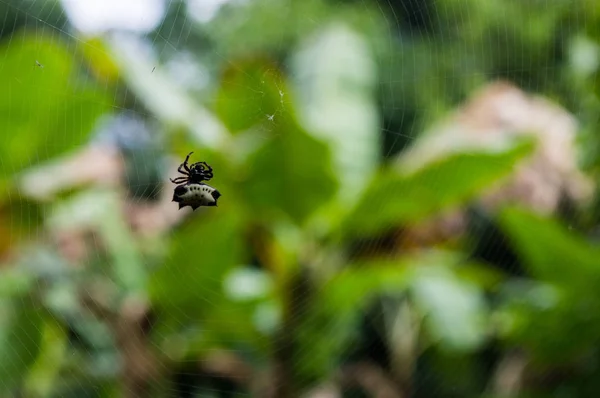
(181, 170)
(178, 180)
(185, 162)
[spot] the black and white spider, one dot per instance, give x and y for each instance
(195, 195)
(195, 174)
(192, 191)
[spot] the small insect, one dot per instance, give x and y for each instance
(192, 191)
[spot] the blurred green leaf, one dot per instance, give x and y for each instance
(290, 174)
(454, 307)
(46, 108)
(545, 316)
(202, 253)
(454, 310)
(99, 59)
(46, 370)
(555, 324)
(20, 337)
(337, 104)
(266, 17)
(351, 289)
(481, 274)
(551, 251)
(291, 171)
(395, 198)
(327, 327)
(249, 92)
(229, 323)
(14, 281)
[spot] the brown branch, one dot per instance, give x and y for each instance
(509, 376)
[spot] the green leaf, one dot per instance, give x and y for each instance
(351, 289)
(291, 172)
(45, 108)
(191, 290)
(337, 104)
(454, 310)
(394, 198)
(327, 327)
(20, 339)
(544, 315)
(201, 254)
(14, 281)
(218, 331)
(45, 372)
(552, 252)
(249, 93)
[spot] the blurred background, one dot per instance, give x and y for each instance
(409, 203)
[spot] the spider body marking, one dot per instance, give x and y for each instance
(195, 195)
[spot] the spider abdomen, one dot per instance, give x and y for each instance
(195, 195)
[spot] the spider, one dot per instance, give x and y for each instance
(194, 174)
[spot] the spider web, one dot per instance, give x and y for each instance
(133, 297)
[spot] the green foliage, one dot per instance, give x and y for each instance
(277, 24)
(45, 372)
(454, 309)
(332, 314)
(394, 197)
(297, 96)
(174, 106)
(14, 282)
(249, 93)
(21, 327)
(128, 268)
(553, 253)
(290, 173)
(366, 281)
(44, 82)
(337, 104)
(189, 283)
(563, 299)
